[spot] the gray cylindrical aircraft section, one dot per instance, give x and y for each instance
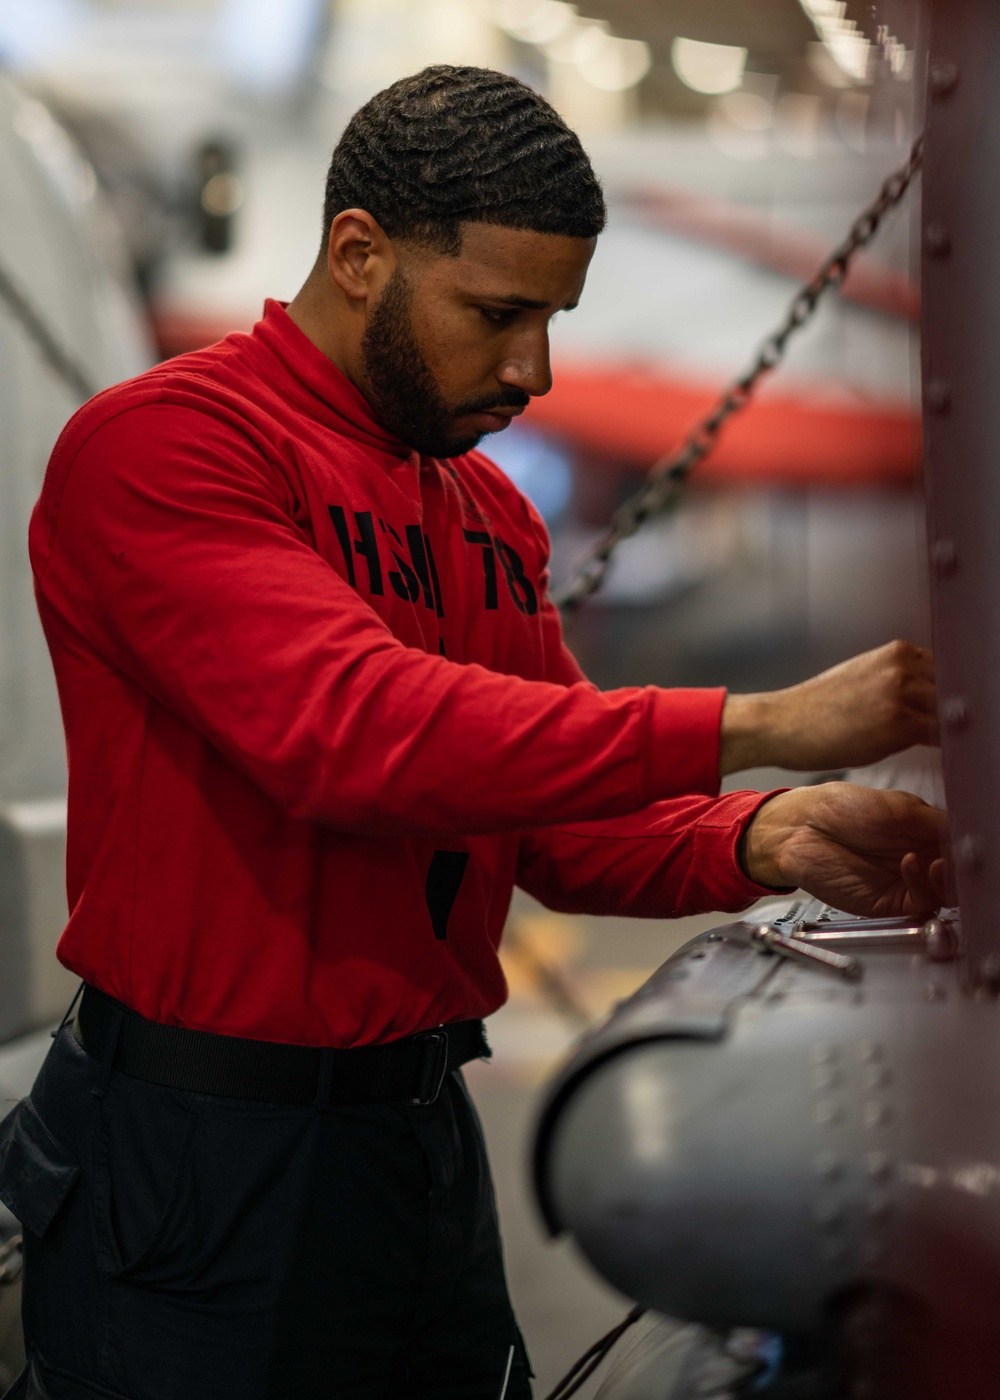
(675, 1164)
(837, 1137)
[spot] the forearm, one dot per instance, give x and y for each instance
(851, 715)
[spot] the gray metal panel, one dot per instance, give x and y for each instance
(58, 252)
(961, 371)
(34, 988)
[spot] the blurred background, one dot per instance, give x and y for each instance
(161, 173)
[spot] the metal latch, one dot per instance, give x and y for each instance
(767, 936)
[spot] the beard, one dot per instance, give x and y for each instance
(401, 387)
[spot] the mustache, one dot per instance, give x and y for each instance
(509, 398)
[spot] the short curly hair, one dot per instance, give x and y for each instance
(451, 145)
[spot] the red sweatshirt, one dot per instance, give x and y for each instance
(320, 717)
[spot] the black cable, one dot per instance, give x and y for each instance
(44, 341)
(587, 1364)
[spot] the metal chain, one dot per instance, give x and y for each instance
(667, 477)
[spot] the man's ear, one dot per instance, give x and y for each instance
(359, 254)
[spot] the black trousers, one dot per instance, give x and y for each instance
(182, 1246)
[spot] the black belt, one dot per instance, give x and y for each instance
(409, 1071)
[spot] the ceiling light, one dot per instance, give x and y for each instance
(575, 39)
(850, 49)
(621, 64)
(747, 110)
(825, 67)
(711, 68)
(534, 21)
(844, 41)
(600, 57)
(590, 40)
(511, 14)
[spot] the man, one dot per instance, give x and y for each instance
(320, 720)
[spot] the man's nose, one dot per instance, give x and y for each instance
(528, 369)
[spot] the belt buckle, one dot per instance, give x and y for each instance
(433, 1066)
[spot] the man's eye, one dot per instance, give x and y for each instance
(495, 317)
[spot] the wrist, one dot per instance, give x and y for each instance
(746, 738)
(764, 841)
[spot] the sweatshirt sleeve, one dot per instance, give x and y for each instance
(168, 543)
(675, 858)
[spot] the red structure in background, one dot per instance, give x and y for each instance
(752, 235)
(631, 416)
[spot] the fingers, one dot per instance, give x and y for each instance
(921, 697)
(920, 886)
(910, 676)
(939, 879)
(910, 659)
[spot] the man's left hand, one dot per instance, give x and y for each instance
(875, 853)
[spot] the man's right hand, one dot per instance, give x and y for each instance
(851, 715)
(875, 853)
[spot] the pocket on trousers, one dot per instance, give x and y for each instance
(37, 1172)
(144, 1152)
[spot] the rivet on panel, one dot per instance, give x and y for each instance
(934, 992)
(989, 970)
(829, 1213)
(937, 396)
(937, 240)
(822, 1053)
(825, 1077)
(875, 1077)
(870, 1052)
(944, 558)
(829, 1111)
(970, 853)
(943, 79)
(955, 713)
(878, 1165)
(828, 1165)
(876, 1114)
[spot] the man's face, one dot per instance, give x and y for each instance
(456, 346)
